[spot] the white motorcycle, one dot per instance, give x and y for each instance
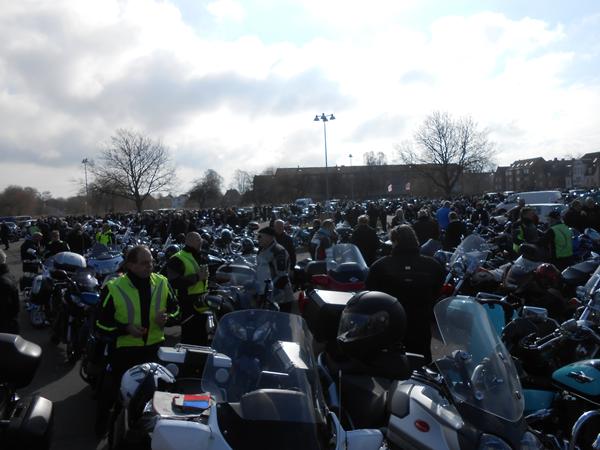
(259, 389)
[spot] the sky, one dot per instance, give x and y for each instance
(228, 84)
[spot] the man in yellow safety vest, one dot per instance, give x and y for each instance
(187, 271)
(106, 236)
(135, 308)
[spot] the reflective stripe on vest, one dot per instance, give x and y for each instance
(563, 240)
(191, 267)
(128, 310)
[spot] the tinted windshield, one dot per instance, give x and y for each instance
(593, 283)
(472, 251)
(477, 369)
(340, 256)
(272, 375)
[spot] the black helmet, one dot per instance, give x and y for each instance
(247, 246)
(171, 250)
(371, 321)
(206, 236)
(226, 236)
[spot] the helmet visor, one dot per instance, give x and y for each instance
(357, 326)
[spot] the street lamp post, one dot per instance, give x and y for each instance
(85, 162)
(325, 119)
(351, 178)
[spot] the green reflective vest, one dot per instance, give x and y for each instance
(104, 238)
(128, 311)
(191, 267)
(563, 240)
(521, 237)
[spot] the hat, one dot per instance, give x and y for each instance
(267, 230)
(555, 214)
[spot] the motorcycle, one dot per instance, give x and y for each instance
(464, 274)
(32, 269)
(560, 366)
(469, 397)
(24, 422)
(344, 269)
(259, 387)
(78, 294)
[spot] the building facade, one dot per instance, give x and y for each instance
(360, 182)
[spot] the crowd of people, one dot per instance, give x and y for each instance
(137, 306)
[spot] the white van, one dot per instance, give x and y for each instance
(534, 197)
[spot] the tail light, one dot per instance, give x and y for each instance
(447, 290)
(320, 280)
(302, 301)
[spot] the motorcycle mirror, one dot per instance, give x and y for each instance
(535, 313)
(173, 368)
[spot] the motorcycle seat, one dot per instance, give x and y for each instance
(276, 404)
(20, 360)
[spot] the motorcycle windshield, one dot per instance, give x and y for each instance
(270, 385)
(269, 351)
(477, 368)
(471, 253)
(592, 234)
(593, 283)
(340, 256)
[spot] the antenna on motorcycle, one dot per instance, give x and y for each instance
(340, 404)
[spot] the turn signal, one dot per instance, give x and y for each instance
(422, 426)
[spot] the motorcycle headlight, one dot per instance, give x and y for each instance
(491, 442)
(529, 441)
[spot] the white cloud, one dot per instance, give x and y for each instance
(73, 72)
(227, 10)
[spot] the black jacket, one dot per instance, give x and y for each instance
(365, 238)
(55, 247)
(415, 281)
(454, 234)
(26, 245)
(9, 301)
(426, 228)
(575, 219)
(78, 241)
(287, 242)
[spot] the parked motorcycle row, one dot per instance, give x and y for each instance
(518, 365)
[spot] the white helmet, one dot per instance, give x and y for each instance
(133, 378)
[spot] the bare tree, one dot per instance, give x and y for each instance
(242, 181)
(447, 148)
(374, 159)
(207, 189)
(133, 166)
